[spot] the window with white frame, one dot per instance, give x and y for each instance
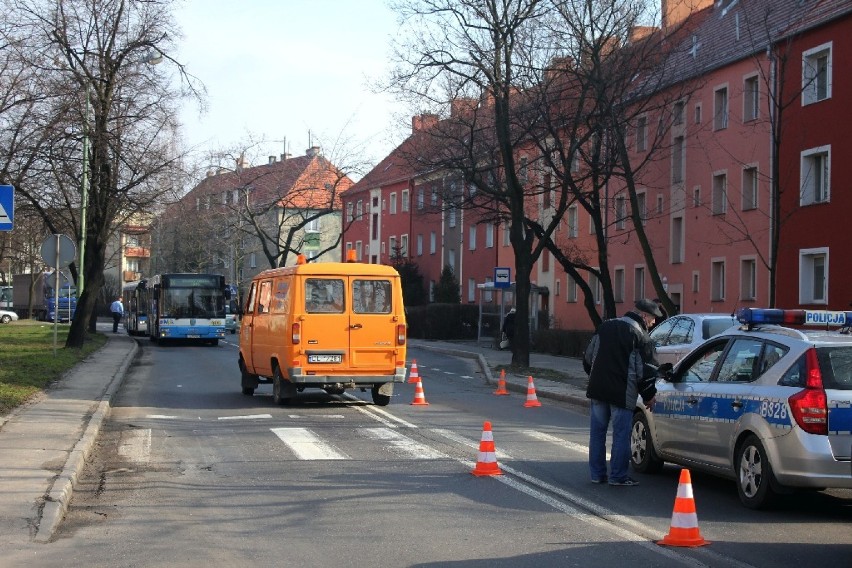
(434, 197)
(393, 203)
(489, 235)
(313, 226)
(638, 282)
(642, 205)
(595, 285)
(618, 284)
(751, 98)
(359, 251)
(506, 234)
(816, 175)
(677, 113)
(419, 245)
(816, 74)
(225, 197)
(350, 211)
(432, 242)
(471, 289)
(451, 259)
(451, 217)
(403, 246)
(198, 204)
(253, 260)
(717, 280)
(573, 221)
(678, 155)
(405, 201)
(720, 193)
(471, 190)
(383, 246)
(558, 287)
(813, 276)
(431, 290)
(697, 116)
(488, 295)
(720, 108)
(420, 198)
(749, 188)
(748, 279)
(236, 196)
(620, 211)
(471, 239)
(359, 209)
(660, 204)
(641, 133)
(696, 196)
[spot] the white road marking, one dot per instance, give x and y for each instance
(469, 443)
(379, 414)
(246, 417)
(580, 448)
(307, 445)
(162, 417)
(403, 444)
(135, 445)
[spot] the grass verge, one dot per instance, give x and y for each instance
(27, 363)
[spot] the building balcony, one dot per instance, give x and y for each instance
(131, 275)
(137, 252)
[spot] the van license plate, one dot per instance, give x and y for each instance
(325, 358)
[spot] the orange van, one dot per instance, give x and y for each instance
(328, 325)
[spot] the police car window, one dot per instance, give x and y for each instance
(835, 364)
(771, 354)
(371, 296)
(324, 295)
(659, 335)
(700, 369)
(795, 375)
(740, 362)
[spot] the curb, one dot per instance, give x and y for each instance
(57, 499)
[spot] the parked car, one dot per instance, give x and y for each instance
(6, 316)
(767, 405)
(680, 334)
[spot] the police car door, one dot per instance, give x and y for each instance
(678, 400)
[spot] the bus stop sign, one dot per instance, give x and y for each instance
(502, 277)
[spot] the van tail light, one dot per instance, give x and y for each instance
(809, 406)
(400, 334)
(297, 333)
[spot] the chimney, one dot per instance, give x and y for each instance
(423, 121)
(312, 152)
(272, 159)
(674, 12)
(241, 163)
(286, 156)
(463, 106)
(638, 33)
(557, 66)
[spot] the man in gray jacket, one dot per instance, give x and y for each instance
(620, 360)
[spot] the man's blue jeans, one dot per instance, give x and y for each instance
(600, 416)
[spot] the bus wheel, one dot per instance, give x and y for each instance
(281, 393)
(214, 342)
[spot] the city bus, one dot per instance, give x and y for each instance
(135, 298)
(187, 306)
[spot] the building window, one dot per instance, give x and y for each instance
(419, 245)
(375, 226)
(748, 279)
(488, 295)
(198, 204)
(403, 246)
(489, 235)
(434, 197)
(638, 282)
(620, 212)
(720, 108)
(451, 259)
(720, 194)
(350, 215)
(641, 205)
(677, 240)
(816, 74)
(751, 98)
(359, 251)
(717, 280)
(253, 260)
(813, 276)
(595, 285)
(815, 175)
(523, 173)
(420, 198)
(749, 188)
(573, 221)
(359, 209)
(677, 113)
(660, 204)
(696, 279)
(698, 113)
(642, 134)
(225, 197)
(432, 242)
(678, 155)
(471, 240)
(618, 285)
(405, 201)
(471, 289)
(236, 196)
(312, 226)
(506, 234)
(393, 203)
(571, 296)
(451, 216)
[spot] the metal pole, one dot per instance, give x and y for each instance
(84, 201)
(56, 295)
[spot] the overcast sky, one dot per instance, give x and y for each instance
(278, 69)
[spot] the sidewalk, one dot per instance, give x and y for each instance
(44, 445)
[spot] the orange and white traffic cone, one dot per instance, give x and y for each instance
(486, 463)
(414, 375)
(501, 383)
(419, 397)
(684, 526)
(532, 399)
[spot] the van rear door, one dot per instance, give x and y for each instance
(373, 323)
(325, 327)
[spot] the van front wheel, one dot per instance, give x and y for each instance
(280, 391)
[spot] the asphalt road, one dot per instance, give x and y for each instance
(189, 472)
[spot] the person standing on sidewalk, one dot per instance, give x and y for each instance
(618, 360)
(117, 309)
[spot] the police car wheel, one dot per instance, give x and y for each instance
(754, 474)
(643, 456)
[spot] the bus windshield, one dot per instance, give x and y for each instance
(192, 303)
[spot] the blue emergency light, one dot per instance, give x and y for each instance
(757, 316)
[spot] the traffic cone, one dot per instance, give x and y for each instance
(532, 399)
(419, 397)
(684, 526)
(501, 383)
(414, 375)
(486, 463)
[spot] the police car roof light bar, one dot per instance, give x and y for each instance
(757, 316)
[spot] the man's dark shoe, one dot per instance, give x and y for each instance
(626, 482)
(599, 480)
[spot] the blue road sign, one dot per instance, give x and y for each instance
(7, 207)
(502, 277)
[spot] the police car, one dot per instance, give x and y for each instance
(765, 404)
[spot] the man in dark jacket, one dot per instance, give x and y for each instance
(620, 360)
